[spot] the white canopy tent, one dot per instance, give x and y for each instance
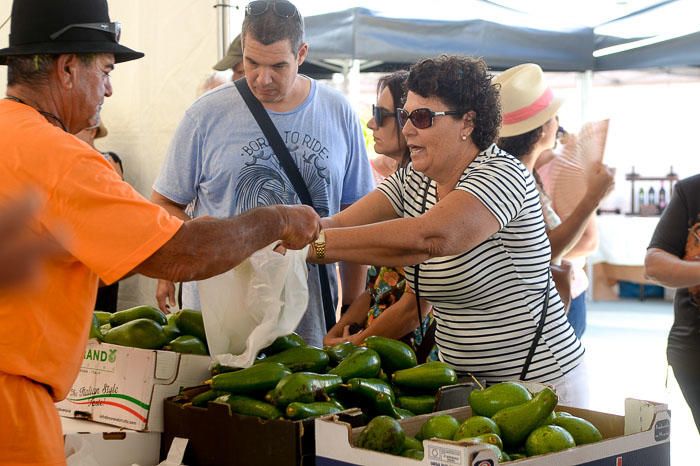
(182, 40)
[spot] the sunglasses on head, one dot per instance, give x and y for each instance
(380, 113)
(421, 118)
(281, 8)
(115, 29)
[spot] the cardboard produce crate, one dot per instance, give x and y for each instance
(639, 438)
(218, 437)
(126, 387)
(94, 443)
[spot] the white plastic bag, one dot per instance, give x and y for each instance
(79, 452)
(248, 307)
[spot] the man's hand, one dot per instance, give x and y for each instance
(165, 295)
(301, 225)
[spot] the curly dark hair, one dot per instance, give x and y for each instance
(521, 145)
(463, 84)
(396, 82)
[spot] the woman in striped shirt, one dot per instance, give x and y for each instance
(465, 219)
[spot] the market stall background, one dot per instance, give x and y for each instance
(181, 39)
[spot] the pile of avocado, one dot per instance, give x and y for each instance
(147, 327)
(295, 381)
(506, 418)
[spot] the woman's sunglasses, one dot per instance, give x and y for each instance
(421, 118)
(114, 29)
(281, 8)
(380, 113)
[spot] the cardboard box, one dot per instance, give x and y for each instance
(90, 442)
(217, 436)
(125, 386)
(640, 438)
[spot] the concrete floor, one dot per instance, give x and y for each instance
(626, 354)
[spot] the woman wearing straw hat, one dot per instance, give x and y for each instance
(464, 218)
(529, 129)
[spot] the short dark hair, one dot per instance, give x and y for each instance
(396, 83)
(463, 84)
(33, 70)
(116, 158)
(269, 28)
(521, 145)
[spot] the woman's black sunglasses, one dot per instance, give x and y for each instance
(421, 118)
(115, 29)
(380, 113)
(281, 8)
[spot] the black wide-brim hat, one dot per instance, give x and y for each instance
(34, 21)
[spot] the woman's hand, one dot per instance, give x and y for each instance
(355, 339)
(601, 182)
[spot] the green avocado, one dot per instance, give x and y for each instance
(427, 376)
(442, 426)
(139, 333)
(304, 387)
(580, 429)
(383, 433)
(488, 401)
(476, 425)
(301, 358)
(187, 344)
(283, 343)
(255, 379)
(138, 312)
(548, 439)
(190, 322)
(297, 410)
(395, 354)
(362, 364)
(516, 422)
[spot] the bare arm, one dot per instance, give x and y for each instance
(588, 243)
(456, 224)
(173, 208)
(398, 319)
(372, 208)
(564, 237)
(205, 246)
(669, 270)
(165, 289)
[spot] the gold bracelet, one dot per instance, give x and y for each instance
(320, 245)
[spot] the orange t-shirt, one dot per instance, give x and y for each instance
(105, 229)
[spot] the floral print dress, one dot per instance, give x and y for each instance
(386, 285)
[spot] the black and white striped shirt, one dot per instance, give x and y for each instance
(488, 301)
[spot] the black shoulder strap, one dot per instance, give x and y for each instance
(538, 332)
(292, 171)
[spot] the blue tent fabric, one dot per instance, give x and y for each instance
(359, 34)
(388, 42)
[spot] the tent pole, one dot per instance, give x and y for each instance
(223, 21)
(585, 88)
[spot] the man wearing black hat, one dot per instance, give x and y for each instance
(59, 59)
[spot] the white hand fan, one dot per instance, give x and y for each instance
(582, 154)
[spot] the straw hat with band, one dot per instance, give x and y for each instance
(234, 55)
(527, 101)
(54, 27)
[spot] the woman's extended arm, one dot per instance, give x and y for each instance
(458, 223)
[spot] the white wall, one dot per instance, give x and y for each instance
(150, 95)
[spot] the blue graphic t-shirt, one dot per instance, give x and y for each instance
(220, 162)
